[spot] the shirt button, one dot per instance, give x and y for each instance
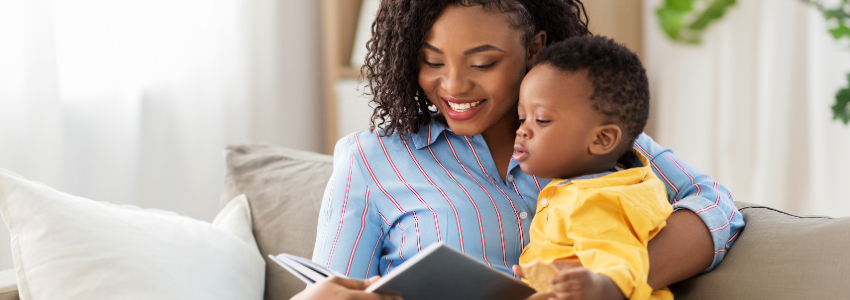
(523, 215)
(510, 178)
(544, 201)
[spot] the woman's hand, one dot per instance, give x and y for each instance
(342, 288)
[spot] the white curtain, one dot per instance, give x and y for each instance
(751, 104)
(133, 101)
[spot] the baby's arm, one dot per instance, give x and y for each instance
(581, 283)
(611, 232)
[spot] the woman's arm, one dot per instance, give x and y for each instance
(680, 250)
(349, 231)
(704, 225)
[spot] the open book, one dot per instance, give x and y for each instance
(438, 272)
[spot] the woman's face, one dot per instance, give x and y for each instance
(471, 68)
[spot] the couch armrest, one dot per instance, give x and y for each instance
(9, 285)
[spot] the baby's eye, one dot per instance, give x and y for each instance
(542, 122)
(520, 121)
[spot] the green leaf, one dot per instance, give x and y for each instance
(673, 13)
(839, 109)
(840, 31)
(670, 20)
(712, 13)
(834, 14)
(680, 5)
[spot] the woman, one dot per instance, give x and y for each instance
(445, 77)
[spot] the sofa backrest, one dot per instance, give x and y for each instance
(284, 188)
(777, 256)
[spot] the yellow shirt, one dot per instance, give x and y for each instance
(605, 223)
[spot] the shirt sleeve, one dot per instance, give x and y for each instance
(349, 232)
(688, 188)
(611, 234)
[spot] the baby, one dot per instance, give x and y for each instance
(580, 109)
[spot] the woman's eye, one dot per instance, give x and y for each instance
(542, 122)
(521, 121)
(432, 65)
(484, 67)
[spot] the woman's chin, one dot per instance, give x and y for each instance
(468, 127)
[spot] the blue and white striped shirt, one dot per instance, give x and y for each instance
(389, 197)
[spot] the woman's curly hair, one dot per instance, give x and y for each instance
(391, 68)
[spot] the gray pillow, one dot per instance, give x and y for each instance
(779, 256)
(284, 188)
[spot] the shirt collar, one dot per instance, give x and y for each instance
(429, 133)
(589, 176)
(634, 165)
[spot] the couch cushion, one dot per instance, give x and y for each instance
(67, 247)
(284, 188)
(779, 256)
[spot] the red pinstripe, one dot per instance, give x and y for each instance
(516, 190)
(498, 215)
(725, 225)
(726, 246)
(341, 215)
(676, 205)
(537, 183)
(477, 213)
(359, 234)
(328, 211)
(374, 178)
(385, 219)
(669, 183)
(457, 217)
(400, 178)
(680, 167)
(699, 190)
(651, 157)
(378, 242)
(716, 202)
(521, 233)
(454, 209)
(401, 248)
(416, 226)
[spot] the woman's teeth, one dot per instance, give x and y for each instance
(462, 107)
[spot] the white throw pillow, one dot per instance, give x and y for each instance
(67, 247)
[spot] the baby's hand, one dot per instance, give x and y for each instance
(579, 283)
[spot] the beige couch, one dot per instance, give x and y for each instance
(778, 256)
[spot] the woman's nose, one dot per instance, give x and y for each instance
(455, 82)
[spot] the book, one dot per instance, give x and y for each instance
(437, 272)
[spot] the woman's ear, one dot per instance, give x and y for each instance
(537, 44)
(607, 139)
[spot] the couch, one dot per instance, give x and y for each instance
(778, 255)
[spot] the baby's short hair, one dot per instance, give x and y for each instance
(620, 86)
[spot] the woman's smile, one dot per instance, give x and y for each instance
(462, 109)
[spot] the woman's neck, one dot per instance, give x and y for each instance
(500, 140)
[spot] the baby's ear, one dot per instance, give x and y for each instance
(606, 140)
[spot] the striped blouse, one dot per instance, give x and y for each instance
(389, 197)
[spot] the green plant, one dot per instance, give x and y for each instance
(686, 20)
(840, 109)
(838, 18)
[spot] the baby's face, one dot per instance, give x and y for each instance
(557, 123)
